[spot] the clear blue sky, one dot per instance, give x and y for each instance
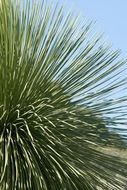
(111, 17)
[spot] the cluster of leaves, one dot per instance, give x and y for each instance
(55, 89)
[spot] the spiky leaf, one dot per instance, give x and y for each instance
(56, 100)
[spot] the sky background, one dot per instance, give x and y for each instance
(110, 17)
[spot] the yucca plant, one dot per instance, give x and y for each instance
(57, 98)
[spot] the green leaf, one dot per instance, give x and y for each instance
(60, 102)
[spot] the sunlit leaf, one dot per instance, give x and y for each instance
(60, 102)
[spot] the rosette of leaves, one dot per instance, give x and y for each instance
(56, 99)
